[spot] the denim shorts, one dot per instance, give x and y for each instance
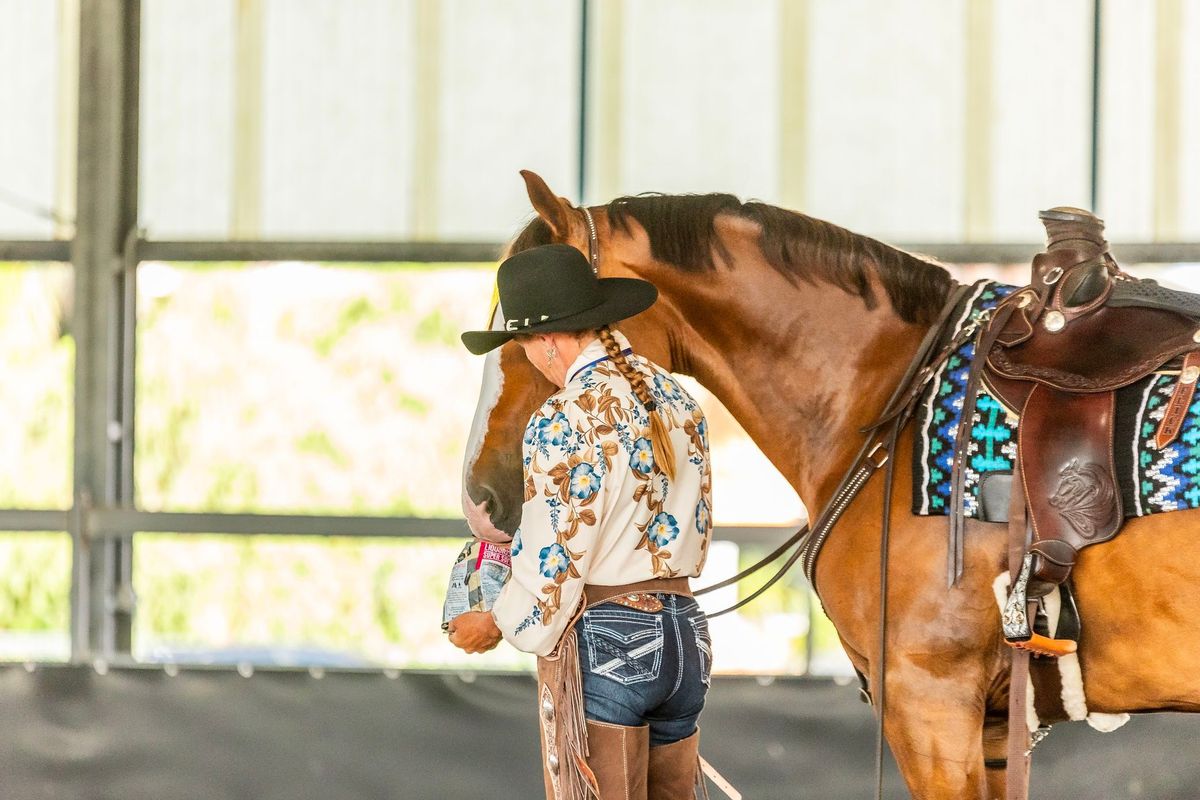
(646, 668)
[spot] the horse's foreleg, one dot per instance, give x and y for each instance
(995, 755)
(933, 725)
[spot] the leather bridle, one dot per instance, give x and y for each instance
(593, 240)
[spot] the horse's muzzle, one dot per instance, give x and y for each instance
(480, 516)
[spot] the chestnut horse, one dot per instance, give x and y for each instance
(803, 329)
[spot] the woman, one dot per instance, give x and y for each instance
(617, 517)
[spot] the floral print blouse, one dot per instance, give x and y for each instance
(597, 508)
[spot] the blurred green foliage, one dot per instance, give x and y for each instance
(35, 581)
(435, 328)
(275, 388)
(37, 360)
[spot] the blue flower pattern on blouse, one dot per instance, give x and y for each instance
(555, 560)
(642, 458)
(663, 529)
(584, 481)
(592, 431)
(554, 430)
(703, 516)
(667, 387)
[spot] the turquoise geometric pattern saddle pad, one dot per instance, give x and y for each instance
(1152, 480)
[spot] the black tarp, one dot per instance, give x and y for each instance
(138, 733)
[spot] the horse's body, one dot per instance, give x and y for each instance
(804, 355)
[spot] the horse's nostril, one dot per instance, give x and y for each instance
(495, 508)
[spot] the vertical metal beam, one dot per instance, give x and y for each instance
(106, 200)
(427, 94)
(1168, 96)
(121, 427)
(608, 78)
(584, 33)
(793, 102)
(977, 220)
(1097, 29)
(249, 28)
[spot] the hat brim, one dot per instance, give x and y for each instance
(623, 298)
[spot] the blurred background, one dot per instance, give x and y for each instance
(240, 238)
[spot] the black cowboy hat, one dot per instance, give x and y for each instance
(553, 288)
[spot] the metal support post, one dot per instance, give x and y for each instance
(1097, 53)
(106, 199)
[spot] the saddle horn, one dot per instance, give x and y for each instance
(1075, 238)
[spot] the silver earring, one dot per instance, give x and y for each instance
(551, 354)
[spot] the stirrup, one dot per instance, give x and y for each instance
(1045, 646)
(1018, 628)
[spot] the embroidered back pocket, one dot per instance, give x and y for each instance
(703, 647)
(623, 644)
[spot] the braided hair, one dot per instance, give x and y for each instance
(660, 440)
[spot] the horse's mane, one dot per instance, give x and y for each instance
(682, 232)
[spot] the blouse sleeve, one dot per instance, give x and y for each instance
(567, 459)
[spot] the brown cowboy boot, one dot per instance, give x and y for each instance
(675, 769)
(618, 757)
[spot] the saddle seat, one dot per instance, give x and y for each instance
(1055, 352)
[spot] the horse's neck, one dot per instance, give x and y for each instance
(803, 375)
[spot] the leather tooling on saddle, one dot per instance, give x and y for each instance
(1057, 353)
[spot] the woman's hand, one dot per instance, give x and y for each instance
(474, 632)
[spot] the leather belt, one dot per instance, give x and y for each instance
(637, 595)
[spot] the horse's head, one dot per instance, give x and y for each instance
(512, 389)
(781, 316)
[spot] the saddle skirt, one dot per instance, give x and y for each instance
(1150, 480)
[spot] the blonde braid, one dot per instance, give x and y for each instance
(660, 439)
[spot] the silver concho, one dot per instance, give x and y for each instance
(1189, 375)
(550, 736)
(1054, 321)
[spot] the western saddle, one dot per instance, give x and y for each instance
(1055, 352)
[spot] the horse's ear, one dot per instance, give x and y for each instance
(549, 206)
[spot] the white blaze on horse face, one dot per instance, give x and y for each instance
(489, 394)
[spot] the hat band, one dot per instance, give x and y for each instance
(525, 322)
(515, 325)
